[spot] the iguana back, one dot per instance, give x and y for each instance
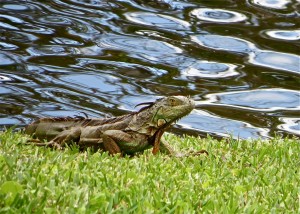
(48, 128)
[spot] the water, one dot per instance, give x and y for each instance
(239, 60)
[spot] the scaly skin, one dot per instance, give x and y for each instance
(127, 134)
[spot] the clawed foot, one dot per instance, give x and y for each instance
(50, 144)
(203, 151)
(192, 153)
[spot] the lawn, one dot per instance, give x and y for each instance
(238, 176)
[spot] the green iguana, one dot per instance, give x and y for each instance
(127, 134)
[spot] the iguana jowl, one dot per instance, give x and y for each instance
(127, 134)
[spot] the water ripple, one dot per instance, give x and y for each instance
(276, 60)
(291, 125)
(258, 100)
(48, 50)
(205, 69)
(12, 19)
(16, 7)
(8, 26)
(271, 59)
(103, 83)
(284, 34)
(226, 43)
(83, 29)
(218, 15)
(144, 48)
(66, 41)
(55, 21)
(21, 37)
(11, 90)
(7, 46)
(157, 51)
(68, 102)
(5, 79)
(157, 20)
(94, 4)
(6, 60)
(10, 121)
(206, 122)
(275, 4)
(124, 68)
(37, 29)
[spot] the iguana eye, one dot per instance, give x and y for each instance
(172, 102)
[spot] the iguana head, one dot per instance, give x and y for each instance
(161, 113)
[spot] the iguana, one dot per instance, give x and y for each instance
(127, 134)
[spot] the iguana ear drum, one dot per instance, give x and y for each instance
(161, 122)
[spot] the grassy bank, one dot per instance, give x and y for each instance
(237, 177)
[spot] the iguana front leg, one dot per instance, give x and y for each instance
(157, 139)
(117, 141)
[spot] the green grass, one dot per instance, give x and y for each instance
(237, 177)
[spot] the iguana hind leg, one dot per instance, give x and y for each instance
(36, 142)
(110, 145)
(65, 137)
(112, 139)
(117, 141)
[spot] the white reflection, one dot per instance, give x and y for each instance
(276, 60)
(203, 121)
(276, 4)
(227, 43)
(258, 100)
(218, 15)
(5, 79)
(270, 59)
(157, 20)
(291, 125)
(207, 69)
(284, 34)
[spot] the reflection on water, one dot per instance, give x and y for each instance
(223, 126)
(270, 59)
(239, 60)
(209, 70)
(276, 60)
(157, 20)
(284, 34)
(139, 47)
(291, 125)
(276, 4)
(225, 43)
(260, 99)
(218, 15)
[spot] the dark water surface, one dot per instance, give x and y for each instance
(238, 59)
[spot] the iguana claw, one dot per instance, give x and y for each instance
(203, 151)
(37, 142)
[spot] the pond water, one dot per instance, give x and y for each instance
(239, 60)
